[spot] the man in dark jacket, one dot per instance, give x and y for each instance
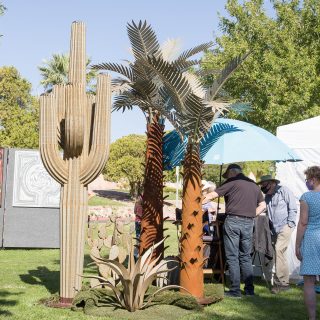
(244, 201)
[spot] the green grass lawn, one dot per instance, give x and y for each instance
(102, 201)
(29, 275)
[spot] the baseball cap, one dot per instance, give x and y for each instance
(231, 166)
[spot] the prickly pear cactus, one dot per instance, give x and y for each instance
(112, 240)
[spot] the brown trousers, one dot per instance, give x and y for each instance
(280, 244)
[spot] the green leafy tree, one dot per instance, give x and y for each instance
(19, 111)
(258, 168)
(211, 172)
(126, 159)
(281, 77)
(170, 176)
(55, 71)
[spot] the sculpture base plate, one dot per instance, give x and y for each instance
(63, 303)
(204, 301)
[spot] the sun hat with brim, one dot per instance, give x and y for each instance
(267, 177)
(231, 166)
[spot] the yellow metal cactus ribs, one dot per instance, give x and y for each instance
(79, 124)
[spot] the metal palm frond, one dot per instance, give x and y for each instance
(168, 109)
(184, 65)
(120, 85)
(174, 120)
(116, 67)
(198, 118)
(195, 84)
(170, 49)
(143, 39)
(224, 76)
(207, 72)
(173, 150)
(128, 101)
(141, 71)
(145, 89)
(218, 107)
(213, 135)
(191, 52)
(173, 80)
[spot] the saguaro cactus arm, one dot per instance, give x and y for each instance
(99, 149)
(60, 100)
(49, 150)
(74, 119)
(77, 65)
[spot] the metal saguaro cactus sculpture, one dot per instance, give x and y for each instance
(80, 124)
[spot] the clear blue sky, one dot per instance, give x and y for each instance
(34, 30)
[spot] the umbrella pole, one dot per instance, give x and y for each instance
(219, 186)
(177, 185)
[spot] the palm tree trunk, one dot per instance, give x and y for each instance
(191, 274)
(152, 217)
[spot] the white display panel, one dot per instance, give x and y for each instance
(32, 185)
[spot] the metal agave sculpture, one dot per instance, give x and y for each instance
(141, 85)
(79, 124)
(135, 280)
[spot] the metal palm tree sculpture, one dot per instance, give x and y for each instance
(141, 85)
(196, 109)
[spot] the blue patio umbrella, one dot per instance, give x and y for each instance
(230, 141)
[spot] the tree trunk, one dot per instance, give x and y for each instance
(152, 217)
(191, 274)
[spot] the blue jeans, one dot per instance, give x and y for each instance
(237, 236)
(138, 229)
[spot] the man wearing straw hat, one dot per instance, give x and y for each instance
(282, 211)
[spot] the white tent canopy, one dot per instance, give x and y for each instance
(303, 138)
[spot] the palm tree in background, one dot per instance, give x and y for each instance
(2, 10)
(141, 85)
(55, 71)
